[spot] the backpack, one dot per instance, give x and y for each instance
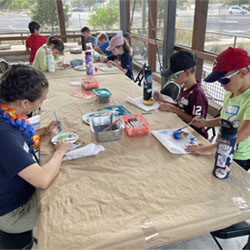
(3, 65)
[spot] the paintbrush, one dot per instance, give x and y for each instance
(58, 123)
(111, 125)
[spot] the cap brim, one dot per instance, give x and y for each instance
(166, 72)
(214, 76)
(109, 48)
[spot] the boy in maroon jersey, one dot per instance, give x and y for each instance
(192, 100)
(35, 40)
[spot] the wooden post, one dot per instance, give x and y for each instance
(152, 28)
(199, 32)
(59, 5)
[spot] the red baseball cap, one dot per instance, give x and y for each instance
(228, 60)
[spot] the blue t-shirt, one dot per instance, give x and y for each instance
(93, 41)
(103, 47)
(14, 157)
(126, 63)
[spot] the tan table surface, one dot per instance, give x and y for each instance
(103, 201)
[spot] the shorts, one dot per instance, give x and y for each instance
(22, 219)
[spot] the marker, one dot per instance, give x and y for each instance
(58, 123)
(149, 113)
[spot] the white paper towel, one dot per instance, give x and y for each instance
(89, 150)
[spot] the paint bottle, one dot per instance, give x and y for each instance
(83, 43)
(50, 59)
(89, 63)
(225, 147)
(147, 86)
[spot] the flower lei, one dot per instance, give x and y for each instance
(21, 123)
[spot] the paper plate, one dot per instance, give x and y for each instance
(80, 68)
(86, 117)
(69, 137)
(167, 98)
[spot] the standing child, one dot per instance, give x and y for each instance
(231, 68)
(192, 100)
(103, 41)
(89, 38)
(40, 61)
(35, 40)
(121, 57)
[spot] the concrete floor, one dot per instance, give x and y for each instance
(206, 242)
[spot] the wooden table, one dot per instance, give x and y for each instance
(135, 194)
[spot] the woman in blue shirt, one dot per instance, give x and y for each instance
(22, 90)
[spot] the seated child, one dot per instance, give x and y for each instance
(192, 100)
(89, 38)
(232, 70)
(35, 40)
(121, 57)
(40, 61)
(103, 41)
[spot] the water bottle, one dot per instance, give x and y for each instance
(83, 43)
(225, 147)
(89, 64)
(50, 60)
(147, 86)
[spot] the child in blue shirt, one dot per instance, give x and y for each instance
(121, 57)
(89, 38)
(103, 41)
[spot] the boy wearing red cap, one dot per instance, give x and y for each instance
(231, 68)
(192, 100)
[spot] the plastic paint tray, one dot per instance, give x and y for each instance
(135, 125)
(89, 83)
(103, 95)
(118, 109)
(99, 122)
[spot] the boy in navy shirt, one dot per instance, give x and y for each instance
(192, 100)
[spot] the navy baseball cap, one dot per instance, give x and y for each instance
(180, 60)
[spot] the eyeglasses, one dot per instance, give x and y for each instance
(226, 80)
(175, 75)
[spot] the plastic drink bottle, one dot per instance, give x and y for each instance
(147, 86)
(83, 43)
(89, 64)
(225, 147)
(50, 60)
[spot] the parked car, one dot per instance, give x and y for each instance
(80, 9)
(246, 8)
(236, 10)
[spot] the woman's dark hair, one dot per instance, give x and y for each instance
(57, 42)
(22, 82)
(34, 26)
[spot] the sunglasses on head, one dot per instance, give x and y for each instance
(175, 75)
(226, 80)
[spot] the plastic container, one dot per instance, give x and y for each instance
(100, 121)
(135, 125)
(225, 147)
(50, 60)
(103, 95)
(89, 83)
(89, 63)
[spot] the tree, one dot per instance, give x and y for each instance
(45, 13)
(105, 17)
(3, 3)
(236, 2)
